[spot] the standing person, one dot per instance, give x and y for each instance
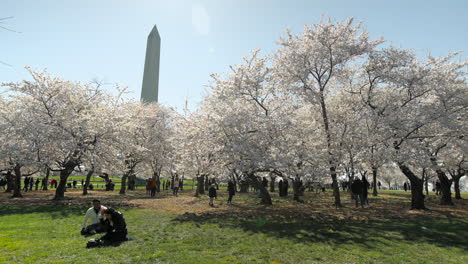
(74, 184)
(82, 183)
(94, 213)
(37, 183)
(356, 189)
(264, 182)
(405, 186)
(31, 183)
(176, 186)
(152, 186)
(44, 184)
(286, 187)
(379, 184)
(212, 193)
(231, 191)
(26, 184)
(365, 190)
(280, 188)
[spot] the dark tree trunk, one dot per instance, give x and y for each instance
(456, 180)
(266, 198)
(64, 174)
(298, 189)
(46, 180)
(88, 179)
(17, 186)
(374, 181)
(336, 188)
(123, 183)
(10, 182)
(200, 185)
(417, 196)
(445, 185)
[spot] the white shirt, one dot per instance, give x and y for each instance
(176, 183)
(95, 218)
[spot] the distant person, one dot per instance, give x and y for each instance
(212, 193)
(437, 187)
(31, 183)
(152, 186)
(231, 191)
(74, 184)
(357, 190)
(176, 186)
(265, 182)
(405, 186)
(280, 188)
(26, 184)
(95, 214)
(379, 184)
(37, 183)
(116, 230)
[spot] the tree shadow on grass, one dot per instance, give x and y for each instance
(371, 234)
(59, 211)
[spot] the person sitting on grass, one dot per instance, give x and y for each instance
(212, 193)
(94, 213)
(116, 230)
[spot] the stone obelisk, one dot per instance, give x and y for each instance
(149, 89)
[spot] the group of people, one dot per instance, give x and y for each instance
(154, 185)
(359, 190)
(104, 220)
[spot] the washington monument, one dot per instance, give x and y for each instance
(149, 89)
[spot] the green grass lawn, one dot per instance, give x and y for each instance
(40, 234)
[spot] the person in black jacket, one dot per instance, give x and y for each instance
(231, 191)
(365, 190)
(116, 227)
(356, 189)
(212, 193)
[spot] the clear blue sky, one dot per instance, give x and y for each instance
(86, 39)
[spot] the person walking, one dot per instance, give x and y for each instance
(356, 189)
(176, 186)
(212, 193)
(231, 191)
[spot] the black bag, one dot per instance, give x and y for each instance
(94, 243)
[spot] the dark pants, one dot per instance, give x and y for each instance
(358, 197)
(230, 198)
(176, 189)
(153, 192)
(114, 237)
(98, 228)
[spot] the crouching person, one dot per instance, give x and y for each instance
(94, 213)
(116, 230)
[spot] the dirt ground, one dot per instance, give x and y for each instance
(315, 205)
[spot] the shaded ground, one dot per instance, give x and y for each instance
(315, 206)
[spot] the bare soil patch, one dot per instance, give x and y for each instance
(316, 205)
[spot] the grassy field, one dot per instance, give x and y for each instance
(34, 233)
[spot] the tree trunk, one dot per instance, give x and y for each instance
(456, 180)
(46, 180)
(374, 179)
(123, 183)
(17, 186)
(298, 189)
(336, 188)
(88, 179)
(10, 182)
(266, 198)
(64, 174)
(445, 185)
(200, 185)
(417, 196)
